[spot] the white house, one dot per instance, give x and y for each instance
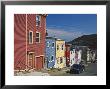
(75, 56)
(79, 56)
(91, 55)
(72, 57)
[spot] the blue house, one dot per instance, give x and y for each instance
(50, 52)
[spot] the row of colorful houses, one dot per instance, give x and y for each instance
(59, 54)
(55, 53)
(33, 49)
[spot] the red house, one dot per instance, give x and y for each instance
(29, 41)
(67, 54)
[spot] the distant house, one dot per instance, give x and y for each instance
(55, 53)
(75, 56)
(91, 55)
(67, 54)
(84, 52)
(29, 41)
(60, 54)
(72, 57)
(50, 52)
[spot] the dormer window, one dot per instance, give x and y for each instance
(38, 20)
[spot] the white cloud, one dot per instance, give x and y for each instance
(67, 35)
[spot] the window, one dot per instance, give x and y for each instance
(62, 47)
(57, 47)
(30, 37)
(71, 61)
(38, 20)
(47, 59)
(53, 44)
(37, 37)
(57, 61)
(73, 51)
(31, 56)
(47, 44)
(51, 58)
(61, 60)
(68, 48)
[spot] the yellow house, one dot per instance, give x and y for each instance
(60, 54)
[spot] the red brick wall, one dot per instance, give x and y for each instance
(19, 41)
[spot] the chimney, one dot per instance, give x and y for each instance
(46, 33)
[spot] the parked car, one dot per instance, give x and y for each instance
(83, 62)
(95, 61)
(77, 68)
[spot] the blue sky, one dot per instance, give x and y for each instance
(71, 26)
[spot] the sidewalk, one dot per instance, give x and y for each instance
(32, 73)
(56, 72)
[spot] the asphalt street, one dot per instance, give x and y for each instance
(90, 70)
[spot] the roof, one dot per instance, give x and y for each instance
(47, 37)
(68, 44)
(59, 40)
(44, 14)
(51, 37)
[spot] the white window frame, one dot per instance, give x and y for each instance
(48, 44)
(29, 37)
(39, 20)
(38, 37)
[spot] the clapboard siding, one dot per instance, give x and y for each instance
(19, 41)
(37, 48)
(67, 54)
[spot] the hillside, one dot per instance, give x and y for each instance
(85, 40)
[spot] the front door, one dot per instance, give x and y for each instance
(39, 63)
(31, 60)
